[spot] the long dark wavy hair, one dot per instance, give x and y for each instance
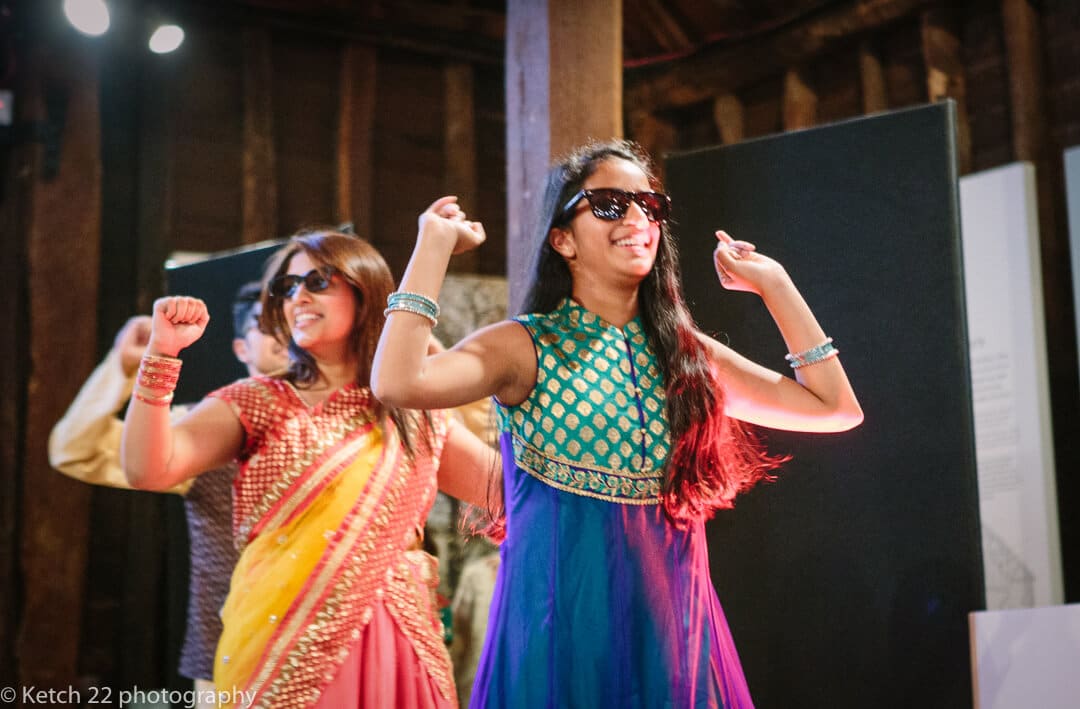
(364, 270)
(714, 457)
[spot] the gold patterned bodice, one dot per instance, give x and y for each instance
(595, 424)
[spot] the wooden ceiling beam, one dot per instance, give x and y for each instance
(722, 69)
(455, 17)
(664, 27)
(356, 27)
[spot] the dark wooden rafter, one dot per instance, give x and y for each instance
(260, 206)
(665, 28)
(725, 68)
(452, 17)
(440, 35)
(943, 57)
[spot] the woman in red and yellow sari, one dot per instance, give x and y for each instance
(331, 603)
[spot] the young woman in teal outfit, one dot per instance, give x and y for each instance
(621, 434)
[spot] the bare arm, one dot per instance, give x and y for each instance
(155, 454)
(468, 467)
(496, 360)
(820, 397)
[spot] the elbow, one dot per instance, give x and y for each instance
(137, 476)
(393, 392)
(144, 482)
(386, 392)
(848, 418)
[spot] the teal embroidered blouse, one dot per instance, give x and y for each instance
(596, 423)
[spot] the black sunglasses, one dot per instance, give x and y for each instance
(316, 280)
(611, 204)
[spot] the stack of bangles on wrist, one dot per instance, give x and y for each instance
(813, 355)
(157, 374)
(413, 303)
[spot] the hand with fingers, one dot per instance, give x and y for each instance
(740, 267)
(446, 219)
(131, 342)
(178, 321)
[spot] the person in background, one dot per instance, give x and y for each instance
(621, 433)
(469, 612)
(85, 445)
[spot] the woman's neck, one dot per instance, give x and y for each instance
(333, 374)
(616, 306)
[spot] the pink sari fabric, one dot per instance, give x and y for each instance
(373, 676)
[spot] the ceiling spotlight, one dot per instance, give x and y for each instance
(166, 38)
(88, 16)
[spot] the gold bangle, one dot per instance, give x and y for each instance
(168, 363)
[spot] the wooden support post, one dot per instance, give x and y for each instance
(64, 237)
(356, 132)
(459, 150)
(563, 85)
(730, 118)
(800, 101)
(260, 165)
(872, 79)
(942, 54)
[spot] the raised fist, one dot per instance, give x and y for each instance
(178, 321)
(446, 217)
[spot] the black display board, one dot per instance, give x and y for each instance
(209, 363)
(847, 582)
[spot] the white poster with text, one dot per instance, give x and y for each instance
(1010, 387)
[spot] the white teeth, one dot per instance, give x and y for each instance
(302, 318)
(631, 242)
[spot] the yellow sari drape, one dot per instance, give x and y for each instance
(265, 610)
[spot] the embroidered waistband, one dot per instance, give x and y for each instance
(625, 488)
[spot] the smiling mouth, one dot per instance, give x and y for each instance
(632, 241)
(305, 319)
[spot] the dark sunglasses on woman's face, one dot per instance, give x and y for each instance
(611, 204)
(315, 281)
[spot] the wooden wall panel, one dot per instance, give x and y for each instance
(838, 84)
(762, 107)
(1061, 42)
(491, 160)
(901, 53)
(208, 143)
(409, 126)
(987, 87)
(259, 199)
(307, 84)
(355, 137)
(62, 265)
(694, 126)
